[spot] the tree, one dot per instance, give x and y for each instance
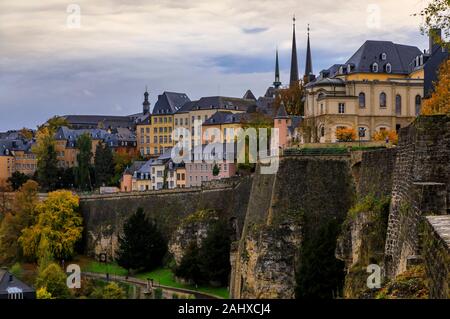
(83, 176)
(47, 162)
(17, 179)
(23, 215)
(121, 161)
(53, 280)
(104, 165)
(54, 123)
(345, 134)
(42, 293)
(214, 253)
(437, 16)
(292, 98)
(26, 133)
(439, 103)
(189, 267)
(216, 170)
(142, 245)
(390, 135)
(111, 291)
(59, 222)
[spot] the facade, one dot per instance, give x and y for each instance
(16, 156)
(288, 127)
(382, 92)
(154, 133)
(222, 127)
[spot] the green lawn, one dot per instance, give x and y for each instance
(163, 276)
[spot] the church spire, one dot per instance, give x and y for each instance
(146, 104)
(277, 82)
(294, 64)
(309, 75)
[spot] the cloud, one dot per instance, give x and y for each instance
(200, 47)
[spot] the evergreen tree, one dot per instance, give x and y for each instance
(104, 165)
(142, 245)
(17, 179)
(216, 170)
(83, 177)
(47, 162)
(189, 267)
(214, 254)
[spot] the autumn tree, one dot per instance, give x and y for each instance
(59, 222)
(436, 15)
(104, 165)
(121, 161)
(383, 135)
(439, 102)
(26, 133)
(47, 163)
(84, 156)
(53, 279)
(22, 215)
(110, 291)
(345, 134)
(292, 98)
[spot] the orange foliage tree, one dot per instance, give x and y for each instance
(345, 134)
(439, 102)
(386, 134)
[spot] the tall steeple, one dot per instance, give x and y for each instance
(294, 64)
(146, 104)
(309, 75)
(277, 82)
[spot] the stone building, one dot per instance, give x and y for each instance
(378, 88)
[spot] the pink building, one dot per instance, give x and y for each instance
(288, 127)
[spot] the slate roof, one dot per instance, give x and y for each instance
(398, 55)
(169, 103)
(93, 121)
(187, 107)
(8, 281)
(281, 113)
(224, 117)
(222, 103)
(249, 95)
(113, 139)
(8, 146)
(134, 167)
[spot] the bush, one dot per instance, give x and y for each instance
(53, 279)
(345, 134)
(42, 293)
(386, 134)
(113, 291)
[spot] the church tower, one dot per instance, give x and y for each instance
(146, 104)
(277, 82)
(294, 64)
(309, 75)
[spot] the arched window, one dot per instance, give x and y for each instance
(362, 100)
(375, 67)
(322, 131)
(383, 99)
(418, 104)
(398, 105)
(388, 68)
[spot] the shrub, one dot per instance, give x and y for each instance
(345, 134)
(386, 134)
(53, 279)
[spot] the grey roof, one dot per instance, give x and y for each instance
(7, 280)
(295, 123)
(265, 105)
(94, 121)
(187, 107)
(398, 55)
(224, 117)
(8, 146)
(222, 103)
(281, 113)
(134, 167)
(117, 137)
(249, 95)
(326, 81)
(169, 103)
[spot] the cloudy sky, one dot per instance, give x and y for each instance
(56, 61)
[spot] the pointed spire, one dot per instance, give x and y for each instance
(146, 104)
(277, 82)
(294, 64)
(309, 75)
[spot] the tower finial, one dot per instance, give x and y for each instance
(294, 64)
(309, 76)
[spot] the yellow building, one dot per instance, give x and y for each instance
(6, 167)
(16, 156)
(154, 134)
(379, 88)
(25, 162)
(222, 127)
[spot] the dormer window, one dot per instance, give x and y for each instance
(421, 60)
(417, 61)
(375, 68)
(349, 68)
(383, 56)
(341, 70)
(388, 68)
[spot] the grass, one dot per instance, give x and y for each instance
(163, 276)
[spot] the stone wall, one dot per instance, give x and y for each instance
(420, 187)
(436, 253)
(104, 215)
(285, 210)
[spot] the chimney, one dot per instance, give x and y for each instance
(435, 36)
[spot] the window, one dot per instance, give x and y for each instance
(383, 99)
(362, 131)
(155, 139)
(341, 109)
(155, 130)
(147, 151)
(322, 131)
(388, 68)
(176, 121)
(142, 130)
(165, 119)
(375, 67)
(321, 108)
(398, 105)
(383, 56)
(418, 104)
(362, 100)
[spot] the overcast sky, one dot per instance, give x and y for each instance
(49, 65)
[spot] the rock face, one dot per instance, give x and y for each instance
(194, 228)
